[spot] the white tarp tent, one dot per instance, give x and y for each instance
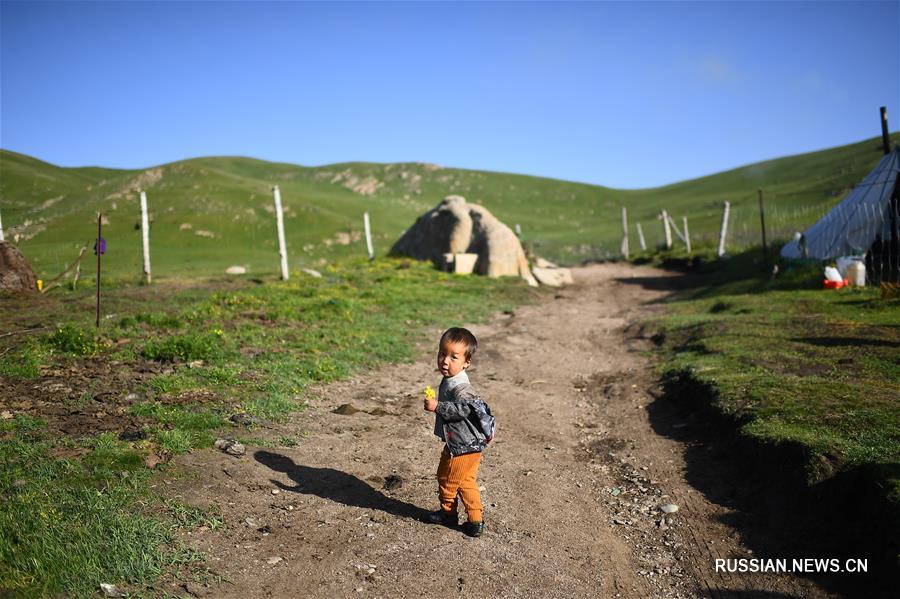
(852, 226)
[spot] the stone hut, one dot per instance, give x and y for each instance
(457, 227)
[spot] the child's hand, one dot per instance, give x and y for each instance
(430, 402)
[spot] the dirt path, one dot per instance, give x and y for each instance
(570, 384)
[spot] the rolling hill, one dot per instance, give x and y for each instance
(211, 213)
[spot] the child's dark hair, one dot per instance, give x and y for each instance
(461, 335)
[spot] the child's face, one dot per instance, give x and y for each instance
(451, 359)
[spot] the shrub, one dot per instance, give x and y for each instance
(192, 346)
(74, 340)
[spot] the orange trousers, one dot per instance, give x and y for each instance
(456, 477)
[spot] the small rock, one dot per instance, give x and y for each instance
(195, 364)
(6, 415)
(133, 397)
(669, 508)
(313, 273)
(237, 449)
(615, 491)
(251, 522)
(243, 419)
(392, 481)
(276, 491)
(235, 270)
(345, 410)
(230, 446)
(274, 560)
(111, 590)
(195, 589)
(482, 488)
(133, 434)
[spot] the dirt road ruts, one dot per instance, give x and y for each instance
(572, 483)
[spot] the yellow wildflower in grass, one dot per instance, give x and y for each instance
(429, 393)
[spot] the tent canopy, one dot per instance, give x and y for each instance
(852, 226)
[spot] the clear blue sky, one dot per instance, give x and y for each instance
(622, 94)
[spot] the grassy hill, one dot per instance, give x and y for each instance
(211, 213)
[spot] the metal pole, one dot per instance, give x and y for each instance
(625, 232)
(99, 253)
(762, 222)
(145, 234)
(368, 236)
(885, 136)
(279, 217)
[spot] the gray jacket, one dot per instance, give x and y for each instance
(463, 420)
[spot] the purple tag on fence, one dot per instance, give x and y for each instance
(100, 246)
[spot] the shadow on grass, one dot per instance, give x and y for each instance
(845, 341)
(335, 485)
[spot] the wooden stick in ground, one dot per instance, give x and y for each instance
(25, 331)
(1, 230)
(666, 230)
(641, 237)
(76, 265)
(762, 223)
(687, 235)
(99, 252)
(677, 230)
(723, 231)
(624, 232)
(368, 228)
(145, 235)
(279, 218)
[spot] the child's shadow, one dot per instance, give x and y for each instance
(335, 485)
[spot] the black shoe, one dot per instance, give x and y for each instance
(473, 529)
(442, 517)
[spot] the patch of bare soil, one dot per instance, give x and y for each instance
(91, 395)
(573, 483)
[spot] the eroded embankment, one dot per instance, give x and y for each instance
(779, 492)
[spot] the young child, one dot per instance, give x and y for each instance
(465, 424)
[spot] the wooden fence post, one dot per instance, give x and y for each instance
(666, 229)
(1, 229)
(641, 237)
(687, 235)
(282, 250)
(368, 236)
(625, 232)
(762, 222)
(723, 231)
(145, 234)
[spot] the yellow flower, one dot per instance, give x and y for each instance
(429, 393)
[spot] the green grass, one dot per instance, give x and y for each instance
(793, 362)
(231, 198)
(69, 523)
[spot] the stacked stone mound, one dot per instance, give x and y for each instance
(457, 227)
(16, 275)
